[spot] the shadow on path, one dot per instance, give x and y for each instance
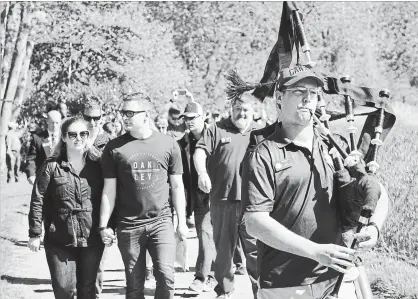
(25, 280)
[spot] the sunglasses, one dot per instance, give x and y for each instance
(82, 134)
(90, 118)
(130, 114)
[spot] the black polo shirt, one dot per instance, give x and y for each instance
(225, 147)
(277, 178)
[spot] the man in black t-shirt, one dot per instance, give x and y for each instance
(139, 167)
(290, 199)
(218, 157)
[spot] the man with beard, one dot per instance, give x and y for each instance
(290, 201)
(139, 167)
(222, 148)
(197, 200)
(43, 144)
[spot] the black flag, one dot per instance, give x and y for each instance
(281, 54)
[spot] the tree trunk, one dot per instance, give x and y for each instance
(7, 105)
(12, 27)
(21, 88)
(4, 10)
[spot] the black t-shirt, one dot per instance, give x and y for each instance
(225, 147)
(141, 168)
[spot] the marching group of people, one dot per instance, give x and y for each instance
(269, 189)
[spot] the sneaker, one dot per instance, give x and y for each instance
(210, 284)
(197, 285)
(241, 270)
(149, 275)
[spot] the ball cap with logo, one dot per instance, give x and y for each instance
(290, 76)
(192, 110)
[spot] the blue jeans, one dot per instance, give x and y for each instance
(158, 238)
(228, 225)
(204, 230)
(73, 269)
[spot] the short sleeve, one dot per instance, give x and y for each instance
(257, 183)
(109, 166)
(209, 140)
(175, 165)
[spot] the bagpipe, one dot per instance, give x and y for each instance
(356, 163)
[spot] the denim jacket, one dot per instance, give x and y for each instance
(68, 203)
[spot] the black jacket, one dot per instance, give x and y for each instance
(39, 150)
(67, 203)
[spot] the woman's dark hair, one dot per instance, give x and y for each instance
(60, 151)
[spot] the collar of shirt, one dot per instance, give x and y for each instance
(283, 141)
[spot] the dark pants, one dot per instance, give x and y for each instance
(13, 165)
(100, 271)
(204, 230)
(158, 238)
(239, 256)
(228, 226)
(73, 269)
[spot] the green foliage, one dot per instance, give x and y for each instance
(155, 47)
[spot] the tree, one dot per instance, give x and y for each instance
(18, 26)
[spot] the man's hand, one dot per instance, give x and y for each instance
(367, 237)
(108, 236)
(182, 231)
(34, 244)
(337, 257)
(204, 182)
(31, 179)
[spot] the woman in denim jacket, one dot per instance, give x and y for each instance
(66, 196)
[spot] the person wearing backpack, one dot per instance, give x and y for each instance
(290, 201)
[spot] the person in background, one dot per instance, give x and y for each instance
(109, 128)
(43, 144)
(119, 128)
(66, 199)
(176, 127)
(161, 124)
(218, 157)
(92, 113)
(63, 109)
(13, 148)
(197, 200)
